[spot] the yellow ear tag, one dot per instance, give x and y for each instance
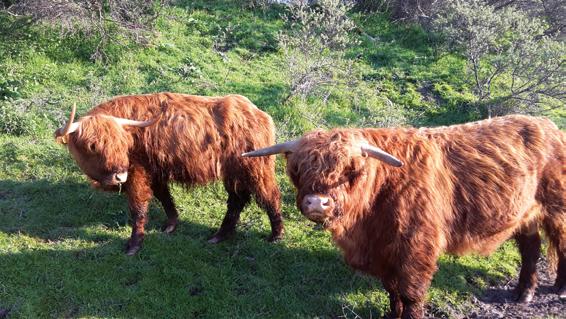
(61, 139)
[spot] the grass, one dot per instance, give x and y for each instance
(61, 241)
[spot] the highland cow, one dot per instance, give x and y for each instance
(459, 189)
(140, 143)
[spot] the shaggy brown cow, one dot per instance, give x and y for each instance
(175, 137)
(462, 189)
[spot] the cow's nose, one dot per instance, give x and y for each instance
(316, 204)
(121, 177)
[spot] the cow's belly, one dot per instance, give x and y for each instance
(482, 246)
(193, 170)
(490, 235)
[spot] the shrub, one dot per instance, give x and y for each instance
(513, 65)
(372, 5)
(553, 12)
(314, 47)
(376, 110)
(108, 21)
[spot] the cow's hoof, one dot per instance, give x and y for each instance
(275, 238)
(133, 248)
(130, 251)
(216, 239)
(391, 315)
(4, 313)
(526, 296)
(562, 293)
(169, 228)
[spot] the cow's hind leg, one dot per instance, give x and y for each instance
(552, 195)
(236, 203)
(529, 245)
(555, 227)
(268, 198)
(259, 176)
(162, 193)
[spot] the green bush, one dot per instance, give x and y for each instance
(513, 65)
(314, 47)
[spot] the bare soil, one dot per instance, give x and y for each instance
(499, 301)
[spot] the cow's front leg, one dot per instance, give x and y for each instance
(415, 276)
(412, 309)
(139, 195)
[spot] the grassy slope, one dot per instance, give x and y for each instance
(60, 241)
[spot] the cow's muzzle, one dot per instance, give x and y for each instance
(119, 178)
(317, 207)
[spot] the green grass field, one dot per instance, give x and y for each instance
(61, 242)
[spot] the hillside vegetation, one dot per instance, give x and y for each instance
(61, 241)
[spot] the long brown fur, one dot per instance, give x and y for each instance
(197, 140)
(463, 189)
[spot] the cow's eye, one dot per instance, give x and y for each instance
(92, 147)
(353, 176)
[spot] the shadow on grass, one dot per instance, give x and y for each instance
(62, 256)
(173, 276)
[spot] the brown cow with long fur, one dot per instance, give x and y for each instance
(459, 189)
(142, 142)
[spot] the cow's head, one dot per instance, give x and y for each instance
(326, 167)
(100, 145)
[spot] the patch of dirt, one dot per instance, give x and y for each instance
(428, 94)
(499, 301)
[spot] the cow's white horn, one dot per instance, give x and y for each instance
(378, 153)
(287, 147)
(70, 127)
(128, 122)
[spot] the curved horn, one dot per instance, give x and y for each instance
(128, 122)
(287, 147)
(70, 127)
(378, 153)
